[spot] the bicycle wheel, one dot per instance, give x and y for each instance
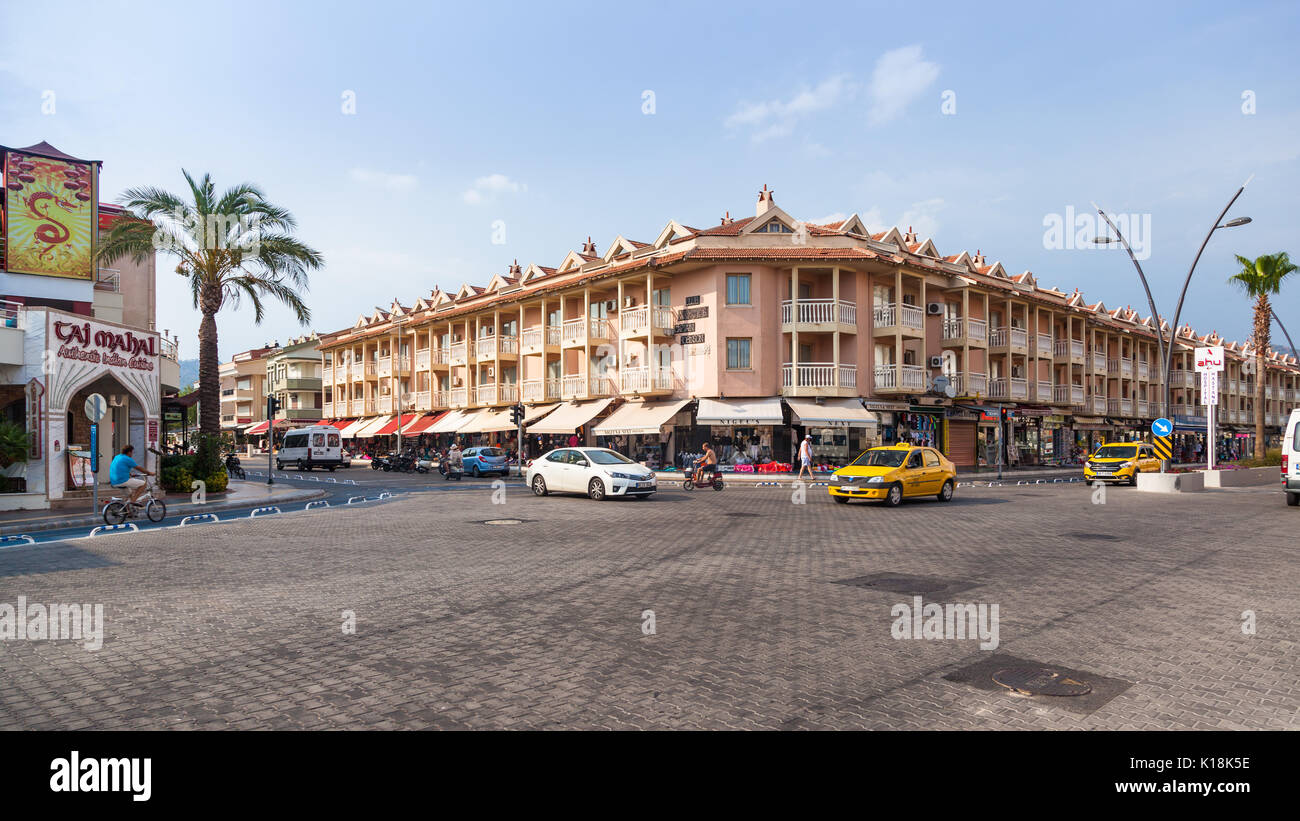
(156, 510)
(114, 513)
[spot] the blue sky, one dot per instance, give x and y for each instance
(533, 115)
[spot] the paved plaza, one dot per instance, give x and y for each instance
(532, 614)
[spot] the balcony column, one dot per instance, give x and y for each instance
(835, 336)
(619, 342)
(650, 360)
(965, 370)
(586, 337)
(897, 364)
(794, 327)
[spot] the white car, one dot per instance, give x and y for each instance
(597, 472)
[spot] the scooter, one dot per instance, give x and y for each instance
(690, 483)
(233, 468)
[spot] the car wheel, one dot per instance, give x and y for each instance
(279, 466)
(945, 492)
(841, 500)
(539, 486)
(301, 467)
(894, 497)
(1293, 499)
(596, 490)
(473, 471)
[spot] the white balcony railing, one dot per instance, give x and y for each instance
(900, 377)
(1068, 395)
(1043, 391)
(962, 329)
(1044, 346)
(819, 375)
(424, 400)
(972, 384)
(819, 310)
(1069, 348)
(385, 404)
(490, 347)
(457, 352)
(645, 380)
(422, 359)
(458, 397)
(539, 390)
(1001, 337)
(1097, 404)
(891, 314)
(1009, 388)
(1098, 360)
(573, 385)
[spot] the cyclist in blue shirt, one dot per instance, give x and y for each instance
(119, 473)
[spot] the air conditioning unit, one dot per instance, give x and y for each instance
(936, 362)
(457, 382)
(611, 305)
(934, 308)
(491, 372)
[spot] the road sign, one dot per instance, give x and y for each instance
(96, 407)
(1209, 387)
(1209, 358)
(1164, 448)
(1162, 427)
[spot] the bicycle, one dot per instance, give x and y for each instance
(118, 510)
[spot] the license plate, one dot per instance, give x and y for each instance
(645, 484)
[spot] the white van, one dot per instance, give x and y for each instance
(318, 446)
(1291, 459)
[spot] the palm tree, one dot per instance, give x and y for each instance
(230, 247)
(1261, 278)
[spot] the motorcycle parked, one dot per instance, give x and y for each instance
(380, 463)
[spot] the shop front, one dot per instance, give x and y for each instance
(569, 424)
(643, 430)
(749, 431)
(840, 428)
(1091, 432)
(921, 425)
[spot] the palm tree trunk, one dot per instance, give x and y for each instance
(209, 377)
(1263, 320)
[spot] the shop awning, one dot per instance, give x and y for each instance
(745, 412)
(538, 411)
(423, 424)
(487, 421)
(351, 430)
(373, 427)
(639, 418)
(842, 413)
(570, 416)
(448, 423)
(341, 424)
(258, 428)
(392, 426)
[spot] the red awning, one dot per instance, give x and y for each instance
(423, 423)
(341, 423)
(391, 427)
(260, 427)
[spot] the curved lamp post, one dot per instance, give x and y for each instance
(1167, 351)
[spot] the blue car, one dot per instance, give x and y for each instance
(481, 461)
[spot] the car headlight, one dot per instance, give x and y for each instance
(618, 475)
(875, 480)
(1126, 465)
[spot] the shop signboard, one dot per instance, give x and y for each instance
(51, 211)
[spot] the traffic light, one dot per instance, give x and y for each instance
(272, 407)
(516, 414)
(1004, 415)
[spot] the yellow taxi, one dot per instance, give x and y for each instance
(1121, 462)
(891, 474)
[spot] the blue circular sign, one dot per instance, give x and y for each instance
(1162, 427)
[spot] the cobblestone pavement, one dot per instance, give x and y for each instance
(461, 624)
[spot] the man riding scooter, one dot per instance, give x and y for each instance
(455, 463)
(708, 463)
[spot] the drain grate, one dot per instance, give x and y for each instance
(1041, 681)
(908, 585)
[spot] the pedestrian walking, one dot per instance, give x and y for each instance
(805, 457)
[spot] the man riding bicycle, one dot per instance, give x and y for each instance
(708, 463)
(119, 474)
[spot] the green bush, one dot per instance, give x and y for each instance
(216, 482)
(1272, 458)
(14, 442)
(207, 456)
(176, 478)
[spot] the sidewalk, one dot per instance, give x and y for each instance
(239, 494)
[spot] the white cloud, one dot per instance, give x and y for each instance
(830, 219)
(392, 182)
(899, 78)
(921, 216)
(777, 118)
(489, 187)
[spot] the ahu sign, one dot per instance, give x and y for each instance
(1209, 359)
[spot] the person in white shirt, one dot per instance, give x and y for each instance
(805, 457)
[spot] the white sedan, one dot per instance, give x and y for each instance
(597, 472)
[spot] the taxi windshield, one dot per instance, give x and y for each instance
(1115, 452)
(881, 458)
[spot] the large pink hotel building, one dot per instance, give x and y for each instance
(758, 329)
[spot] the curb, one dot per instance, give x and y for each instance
(92, 520)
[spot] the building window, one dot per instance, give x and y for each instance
(738, 354)
(775, 227)
(737, 289)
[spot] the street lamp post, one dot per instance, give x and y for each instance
(1167, 352)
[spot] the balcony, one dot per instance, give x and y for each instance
(1069, 350)
(1179, 409)
(501, 394)
(422, 360)
(1043, 347)
(358, 371)
(900, 379)
(458, 398)
(423, 400)
(575, 333)
(1068, 395)
(327, 410)
(890, 318)
(1182, 379)
(541, 390)
(971, 384)
(458, 353)
(645, 380)
(441, 358)
(494, 347)
(1043, 391)
(1143, 409)
(385, 366)
(819, 379)
(637, 321)
(357, 407)
(1097, 360)
(385, 404)
(1097, 404)
(1119, 407)
(531, 339)
(1014, 389)
(1144, 372)
(327, 375)
(965, 331)
(1122, 368)
(1009, 339)
(819, 313)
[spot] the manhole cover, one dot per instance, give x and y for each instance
(1041, 681)
(1097, 537)
(906, 585)
(504, 522)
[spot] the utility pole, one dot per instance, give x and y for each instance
(272, 408)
